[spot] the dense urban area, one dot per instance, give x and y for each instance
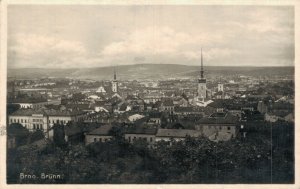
(204, 129)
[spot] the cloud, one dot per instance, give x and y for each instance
(45, 50)
(155, 43)
(101, 36)
(30, 44)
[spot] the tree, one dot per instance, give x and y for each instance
(19, 132)
(11, 108)
(59, 135)
(37, 135)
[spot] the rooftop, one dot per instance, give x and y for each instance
(44, 111)
(219, 118)
(102, 131)
(141, 130)
(27, 100)
(177, 133)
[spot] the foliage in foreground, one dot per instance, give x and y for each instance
(246, 160)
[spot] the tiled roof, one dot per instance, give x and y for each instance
(141, 130)
(99, 103)
(76, 128)
(153, 95)
(103, 130)
(283, 105)
(155, 115)
(27, 100)
(44, 111)
(177, 133)
(63, 113)
(168, 102)
(27, 112)
(78, 106)
(220, 103)
(123, 107)
(187, 109)
(227, 119)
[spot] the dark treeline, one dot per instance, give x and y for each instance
(266, 155)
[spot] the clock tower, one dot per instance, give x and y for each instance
(115, 83)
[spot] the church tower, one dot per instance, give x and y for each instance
(202, 82)
(115, 83)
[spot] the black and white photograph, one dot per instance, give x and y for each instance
(150, 94)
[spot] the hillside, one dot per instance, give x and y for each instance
(146, 71)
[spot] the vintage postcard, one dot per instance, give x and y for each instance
(163, 94)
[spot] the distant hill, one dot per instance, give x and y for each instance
(146, 71)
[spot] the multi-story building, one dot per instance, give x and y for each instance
(141, 133)
(219, 126)
(43, 119)
(101, 134)
(176, 134)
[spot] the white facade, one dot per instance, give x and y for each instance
(220, 87)
(115, 86)
(42, 122)
(101, 90)
(202, 90)
(135, 117)
(33, 122)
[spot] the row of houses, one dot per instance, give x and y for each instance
(217, 127)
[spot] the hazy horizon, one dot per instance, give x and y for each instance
(116, 66)
(76, 36)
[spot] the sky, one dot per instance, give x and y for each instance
(80, 36)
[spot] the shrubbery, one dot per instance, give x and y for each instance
(198, 160)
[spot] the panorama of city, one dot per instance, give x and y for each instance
(151, 124)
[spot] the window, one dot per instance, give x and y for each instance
(134, 138)
(95, 140)
(151, 139)
(33, 126)
(228, 128)
(100, 139)
(220, 127)
(25, 120)
(14, 120)
(21, 120)
(129, 139)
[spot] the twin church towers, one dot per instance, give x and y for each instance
(201, 91)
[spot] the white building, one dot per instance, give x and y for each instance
(43, 119)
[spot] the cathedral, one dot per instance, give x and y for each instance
(201, 99)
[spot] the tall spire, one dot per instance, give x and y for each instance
(202, 71)
(115, 75)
